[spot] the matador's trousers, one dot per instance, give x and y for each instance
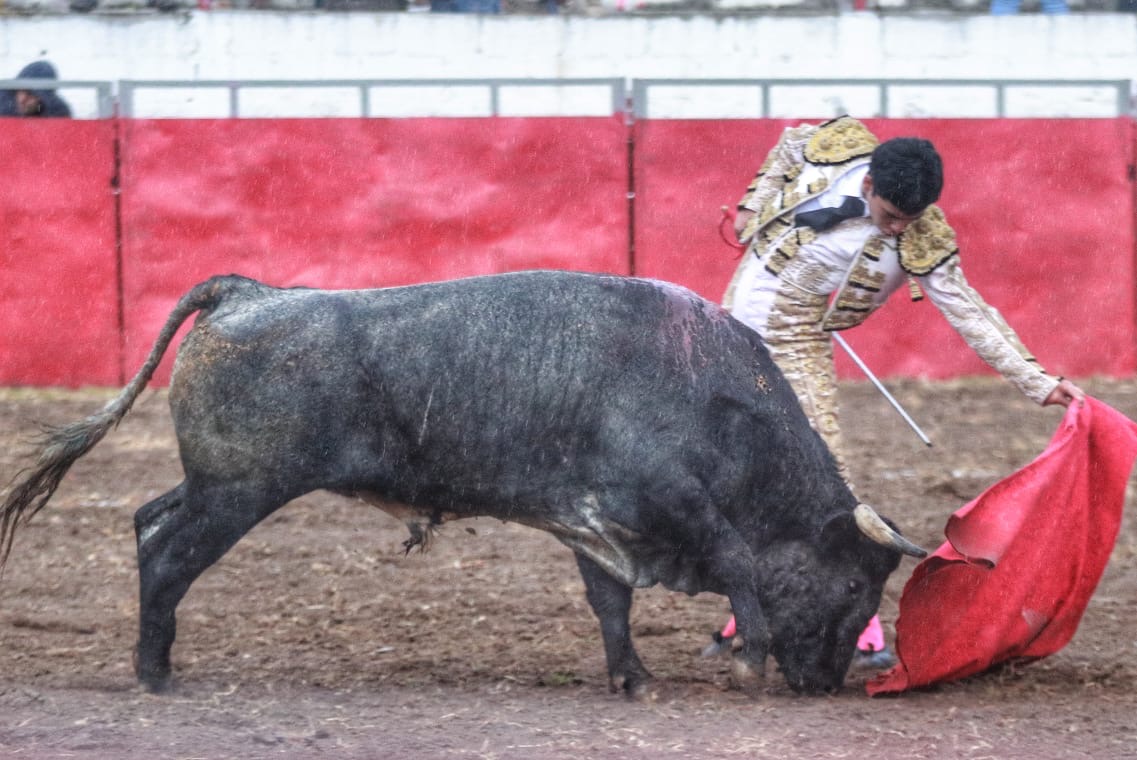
(789, 321)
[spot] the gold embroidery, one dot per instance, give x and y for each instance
(777, 258)
(776, 262)
(805, 356)
(866, 279)
(749, 228)
(788, 248)
(914, 291)
(796, 315)
(817, 186)
(927, 243)
(855, 301)
(774, 230)
(874, 247)
(765, 167)
(838, 141)
(770, 211)
(753, 186)
(836, 322)
(811, 276)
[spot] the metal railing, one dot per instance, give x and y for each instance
(611, 91)
(1116, 100)
(650, 98)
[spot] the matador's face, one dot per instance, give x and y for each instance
(887, 218)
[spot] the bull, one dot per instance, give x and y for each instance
(641, 425)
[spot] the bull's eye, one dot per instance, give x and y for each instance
(854, 587)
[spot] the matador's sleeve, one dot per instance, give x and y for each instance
(985, 330)
(782, 166)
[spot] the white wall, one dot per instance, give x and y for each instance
(319, 45)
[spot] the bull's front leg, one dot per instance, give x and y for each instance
(611, 600)
(733, 571)
(748, 664)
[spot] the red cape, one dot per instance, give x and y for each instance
(1021, 561)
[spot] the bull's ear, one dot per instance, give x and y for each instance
(838, 531)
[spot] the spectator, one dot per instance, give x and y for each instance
(44, 103)
(465, 6)
(1011, 7)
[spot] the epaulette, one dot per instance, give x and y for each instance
(927, 243)
(840, 140)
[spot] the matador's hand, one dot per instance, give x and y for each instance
(1065, 393)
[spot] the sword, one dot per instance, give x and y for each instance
(884, 391)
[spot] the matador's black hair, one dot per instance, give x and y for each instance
(908, 173)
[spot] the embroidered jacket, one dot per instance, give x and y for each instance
(870, 266)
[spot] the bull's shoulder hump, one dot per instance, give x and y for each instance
(547, 285)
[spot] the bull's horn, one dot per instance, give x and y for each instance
(876, 529)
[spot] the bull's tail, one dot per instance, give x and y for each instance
(62, 446)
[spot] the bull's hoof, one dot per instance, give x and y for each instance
(638, 689)
(154, 683)
(155, 680)
(646, 692)
(745, 677)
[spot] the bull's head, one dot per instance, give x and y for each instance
(818, 596)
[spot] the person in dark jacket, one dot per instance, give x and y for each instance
(43, 102)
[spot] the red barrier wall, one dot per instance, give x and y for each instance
(1043, 211)
(58, 281)
(342, 203)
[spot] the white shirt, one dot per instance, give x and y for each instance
(848, 185)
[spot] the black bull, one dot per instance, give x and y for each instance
(638, 423)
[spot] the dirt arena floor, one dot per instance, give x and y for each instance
(316, 637)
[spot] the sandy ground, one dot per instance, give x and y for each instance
(315, 636)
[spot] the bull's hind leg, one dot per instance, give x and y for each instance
(179, 535)
(611, 600)
(152, 514)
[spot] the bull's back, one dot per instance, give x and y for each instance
(512, 383)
